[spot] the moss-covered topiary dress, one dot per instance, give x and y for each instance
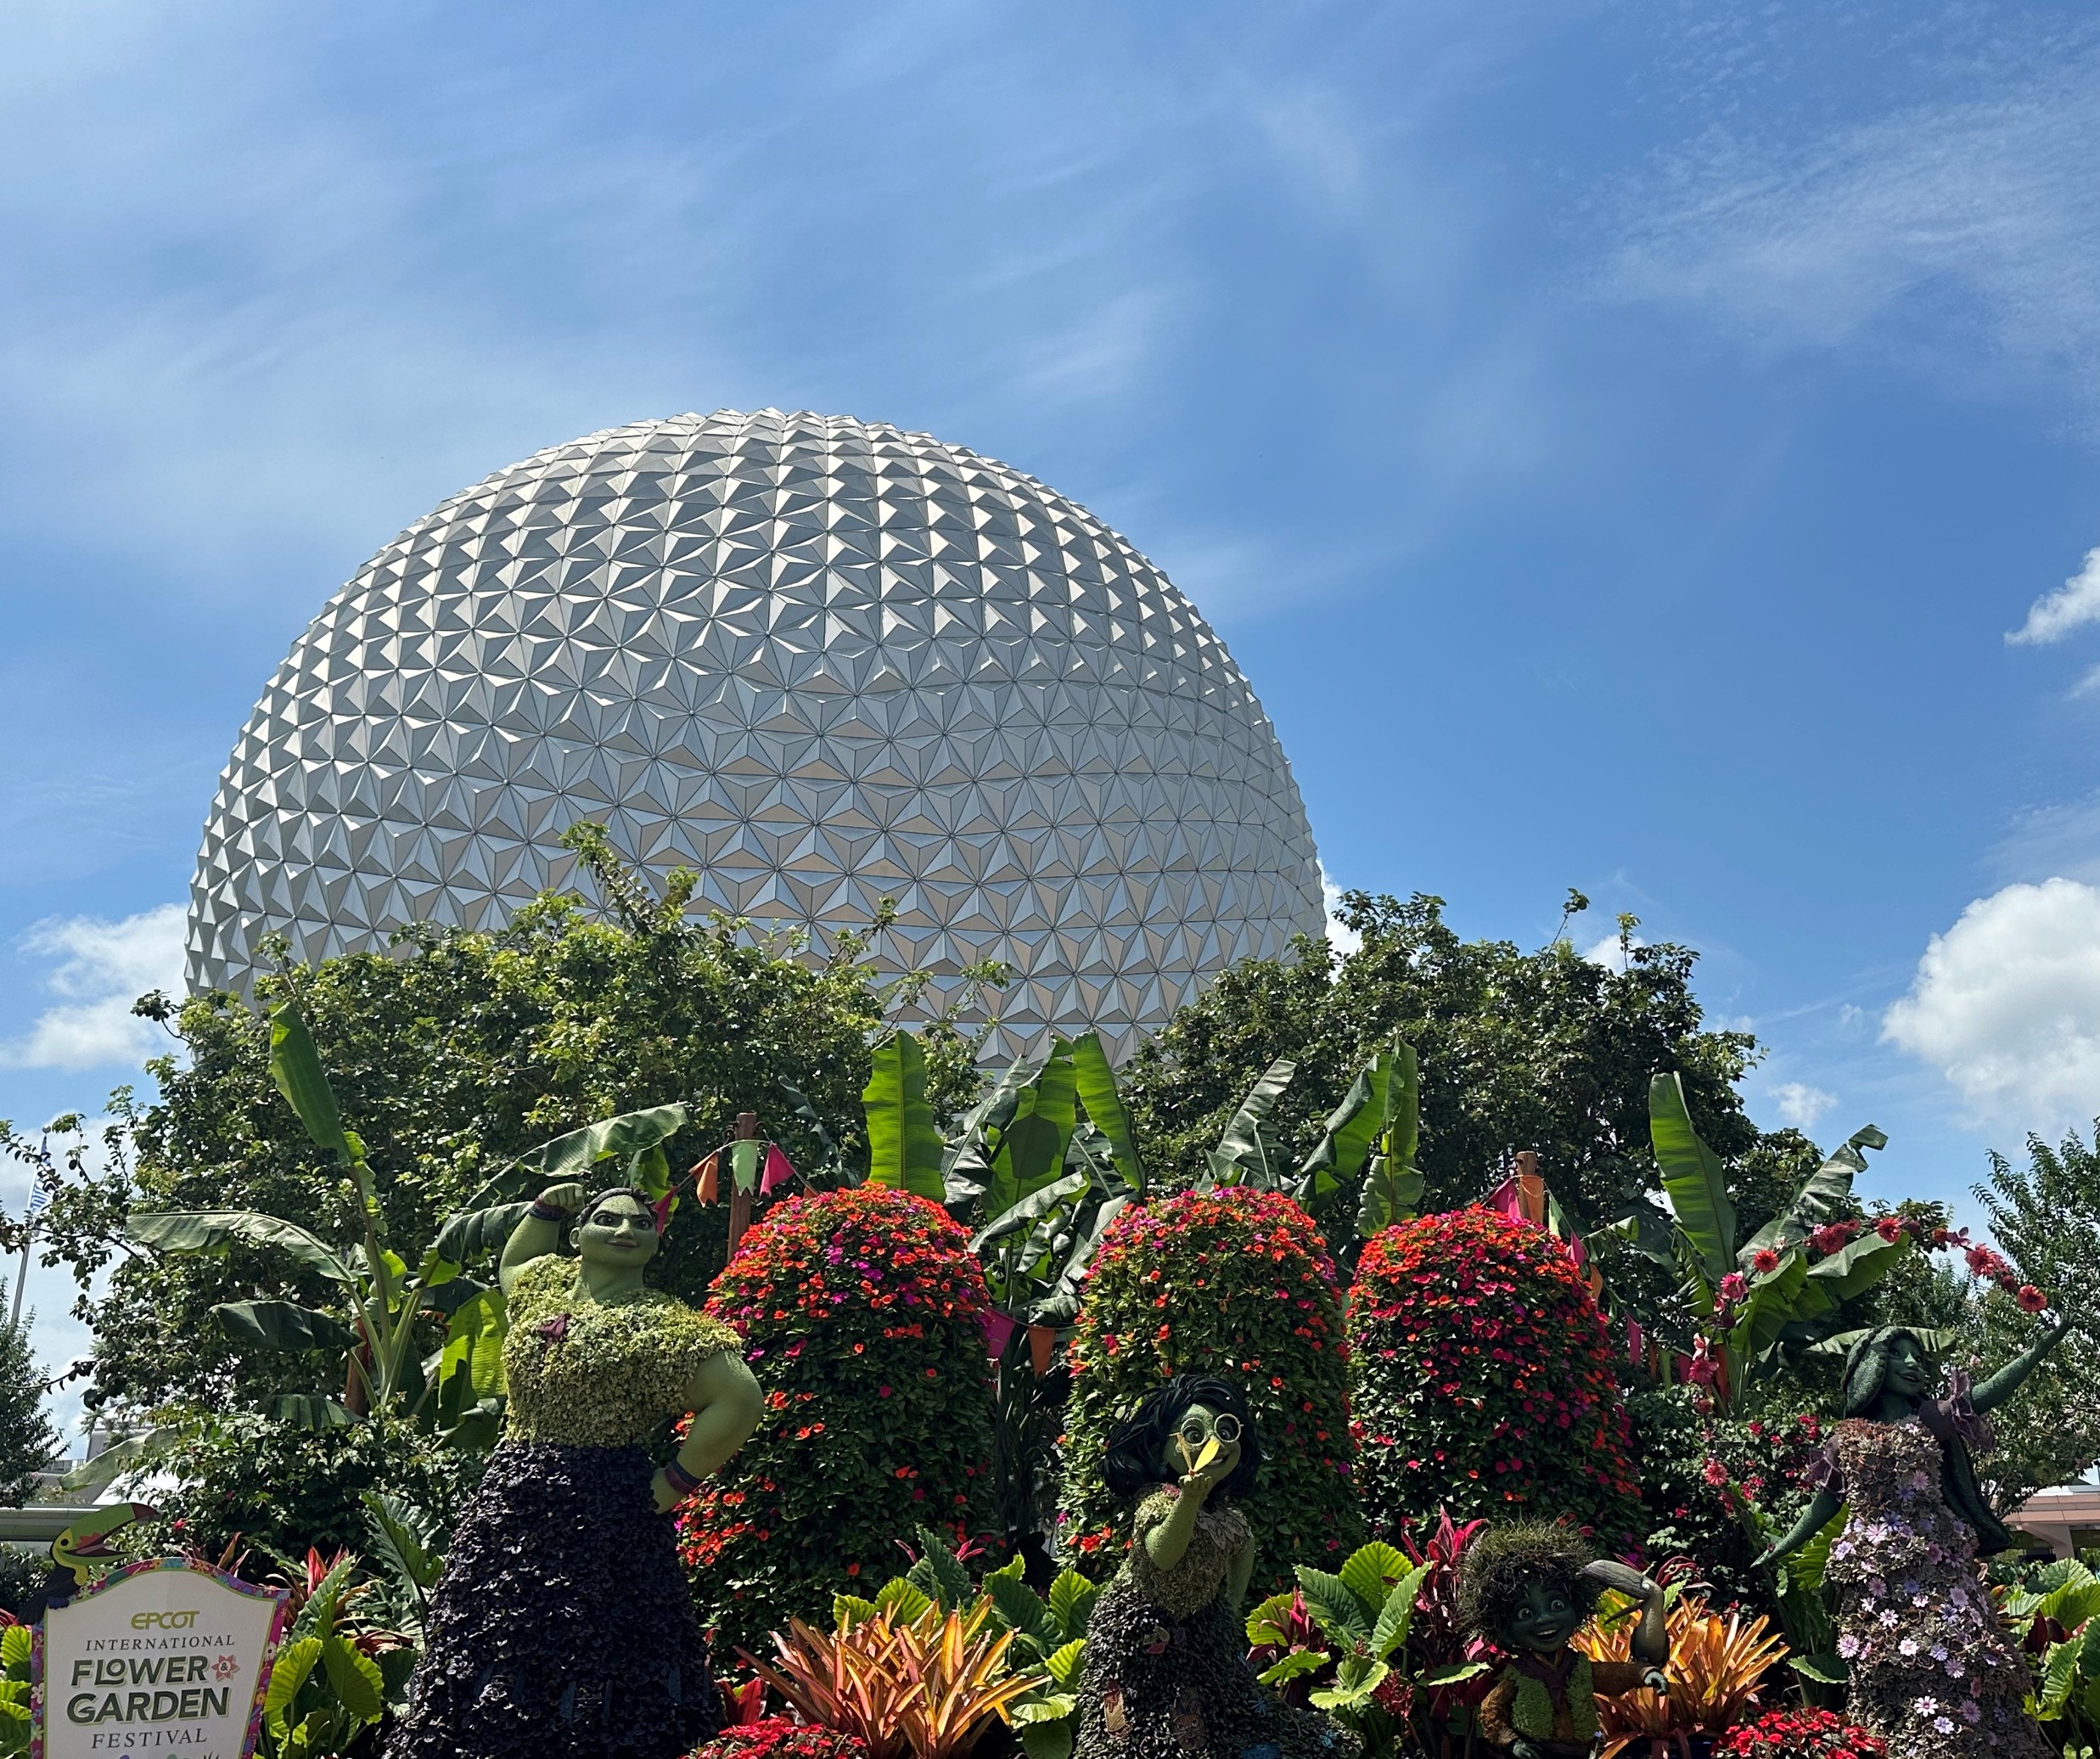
(1166, 1674)
(563, 1626)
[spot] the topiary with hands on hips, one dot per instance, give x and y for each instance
(1483, 1381)
(1236, 1284)
(862, 1315)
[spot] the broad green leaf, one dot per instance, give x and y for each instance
(295, 1068)
(1455, 1673)
(1370, 1573)
(1242, 1157)
(1043, 1707)
(1693, 1181)
(1020, 1608)
(1345, 1139)
(1032, 1150)
(1827, 1670)
(294, 1662)
(1773, 1300)
(1031, 1210)
(903, 1146)
(1058, 1307)
(473, 1347)
(1270, 1621)
(1394, 1616)
(1290, 1666)
(1821, 1195)
(1392, 1186)
(310, 1411)
(848, 1610)
(282, 1325)
(1062, 1663)
(966, 1160)
(1390, 1194)
(472, 1235)
(354, 1677)
(1072, 1598)
(904, 1603)
(572, 1155)
(403, 1551)
(1860, 1266)
(1047, 1740)
(1355, 1679)
(317, 1618)
(950, 1582)
(213, 1232)
(1936, 1340)
(1333, 1606)
(1803, 1572)
(2060, 1671)
(15, 1647)
(1103, 1101)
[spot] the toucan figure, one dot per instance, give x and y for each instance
(77, 1551)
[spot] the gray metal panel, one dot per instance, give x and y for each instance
(821, 661)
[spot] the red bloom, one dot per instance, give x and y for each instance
(1890, 1228)
(2031, 1299)
(1765, 1260)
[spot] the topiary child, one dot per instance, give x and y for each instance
(1236, 1284)
(862, 1314)
(1483, 1379)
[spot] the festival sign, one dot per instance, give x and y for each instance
(164, 1657)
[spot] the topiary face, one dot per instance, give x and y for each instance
(1522, 1584)
(618, 1234)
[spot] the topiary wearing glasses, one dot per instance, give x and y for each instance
(1166, 1674)
(563, 1627)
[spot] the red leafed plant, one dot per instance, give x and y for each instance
(1799, 1734)
(781, 1738)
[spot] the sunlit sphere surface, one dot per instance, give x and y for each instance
(820, 660)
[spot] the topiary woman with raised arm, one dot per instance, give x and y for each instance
(1932, 1672)
(563, 1626)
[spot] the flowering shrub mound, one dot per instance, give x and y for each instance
(862, 1315)
(1232, 1283)
(1799, 1734)
(781, 1738)
(1483, 1381)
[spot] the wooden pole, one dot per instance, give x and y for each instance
(739, 1198)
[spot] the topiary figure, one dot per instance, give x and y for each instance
(863, 1317)
(1483, 1381)
(1236, 1284)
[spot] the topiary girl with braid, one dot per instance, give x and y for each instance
(563, 1626)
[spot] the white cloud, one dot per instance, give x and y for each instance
(1800, 1105)
(1955, 235)
(1340, 936)
(102, 968)
(1609, 953)
(2071, 606)
(2006, 1005)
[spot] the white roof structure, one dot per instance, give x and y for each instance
(820, 660)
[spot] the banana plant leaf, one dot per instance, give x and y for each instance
(1859, 1267)
(1061, 1304)
(212, 1232)
(1694, 1182)
(282, 1325)
(1935, 1338)
(1031, 1210)
(1103, 1100)
(966, 1160)
(1032, 1147)
(295, 1068)
(475, 1234)
(471, 1366)
(1242, 1157)
(903, 1146)
(310, 1411)
(572, 1155)
(1821, 1195)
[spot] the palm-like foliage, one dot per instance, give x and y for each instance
(928, 1688)
(1717, 1666)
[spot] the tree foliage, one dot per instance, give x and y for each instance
(1544, 1050)
(28, 1443)
(448, 1062)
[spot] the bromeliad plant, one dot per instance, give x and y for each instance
(1716, 1672)
(392, 1311)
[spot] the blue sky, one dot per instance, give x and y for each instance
(1617, 440)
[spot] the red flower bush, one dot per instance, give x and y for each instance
(1484, 1380)
(1237, 1283)
(862, 1314)
(781, 1738)
(1798, 1734)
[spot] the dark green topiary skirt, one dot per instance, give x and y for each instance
(563, 1629)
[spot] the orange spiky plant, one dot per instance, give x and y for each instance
(1716, 1668)
(929, 1689)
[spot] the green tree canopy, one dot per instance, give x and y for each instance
(448, 1060)
(1543, 1050)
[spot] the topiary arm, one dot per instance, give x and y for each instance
(2002, 1386)
(1237, 1575)
(537, 1234)
(726, 1403)
(1814, 1519)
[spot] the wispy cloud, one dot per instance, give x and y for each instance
(1340, 936)
(1800, 1105)
(2071, 606)
(1959, 234)
(102, 968)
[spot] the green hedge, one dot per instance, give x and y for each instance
(863, 1317)
(1484, 1380)
(1236, 1284)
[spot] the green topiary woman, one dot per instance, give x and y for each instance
(563, 1626)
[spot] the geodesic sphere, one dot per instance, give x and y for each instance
(822, 661)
